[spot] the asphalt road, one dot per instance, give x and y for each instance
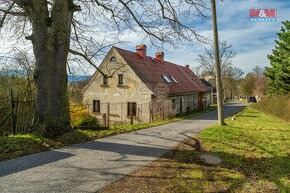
(90, 166)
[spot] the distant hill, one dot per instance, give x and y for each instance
(13, 72)
(22, 73)
(77, 78)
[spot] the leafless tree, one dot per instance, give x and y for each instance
(197, 70)
(20, 64)
(257, 71)
(230, 75)
(207, 59)
(260, 85)
(57, 28)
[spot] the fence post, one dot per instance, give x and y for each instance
(108, 115)
(163, 115)
(173, 109)
(131, 113)
(152, 109)
(12, 112)
(150, 112)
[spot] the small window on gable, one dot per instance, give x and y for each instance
(121, 79)
(173, 79)
(113, 59)
(105, 80)
(166, 78)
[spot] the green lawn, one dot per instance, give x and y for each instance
(255, 152)
(19, 145)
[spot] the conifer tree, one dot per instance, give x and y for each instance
(279, 74)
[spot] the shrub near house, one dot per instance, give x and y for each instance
(87, 121)
(77, 112)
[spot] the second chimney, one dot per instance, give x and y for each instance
(187, 66)
(141, 50)
(160, 56)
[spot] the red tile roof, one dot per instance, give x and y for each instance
(149, 70)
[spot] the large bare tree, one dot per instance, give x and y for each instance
(206, 60)
(57, 28)
(230, 75)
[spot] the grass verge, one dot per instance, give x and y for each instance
(255, 153)
(18, 145)
(255, 148)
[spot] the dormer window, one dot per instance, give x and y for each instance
(173, 79)
(166, 78)
(113, 59)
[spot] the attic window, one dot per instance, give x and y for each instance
(113, 59)
(105, 80)
(166, 78)
(173, 79)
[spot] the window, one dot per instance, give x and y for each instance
(166, 78)
(105, 80)
(113, 59)
(134, 107)
(173, 103)
(121, 81)
(96, 106)
(173, 79)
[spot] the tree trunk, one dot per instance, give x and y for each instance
(51, 40)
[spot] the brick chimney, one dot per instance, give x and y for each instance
(141, 50)
(160, 56)
(187, 66)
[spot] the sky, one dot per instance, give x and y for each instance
(252, 41)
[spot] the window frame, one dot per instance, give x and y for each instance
(166, 78)
(134, 109)
(105, 80)
(96, 106)
(174, 80)
(113, 59)
(121, 79)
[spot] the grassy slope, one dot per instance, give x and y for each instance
(19, 145)
(255, 153)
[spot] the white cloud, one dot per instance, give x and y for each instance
(252, 41)
(246, 61)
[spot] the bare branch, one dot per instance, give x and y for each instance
(137, 21)
(86, 58)
(6, 12)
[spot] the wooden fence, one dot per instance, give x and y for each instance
(132, 113)
(20, 119)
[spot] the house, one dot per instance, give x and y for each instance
(213, 96)
(134, 87)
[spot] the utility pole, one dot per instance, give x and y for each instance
(217, 66)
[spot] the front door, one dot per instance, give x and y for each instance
(200, 105)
